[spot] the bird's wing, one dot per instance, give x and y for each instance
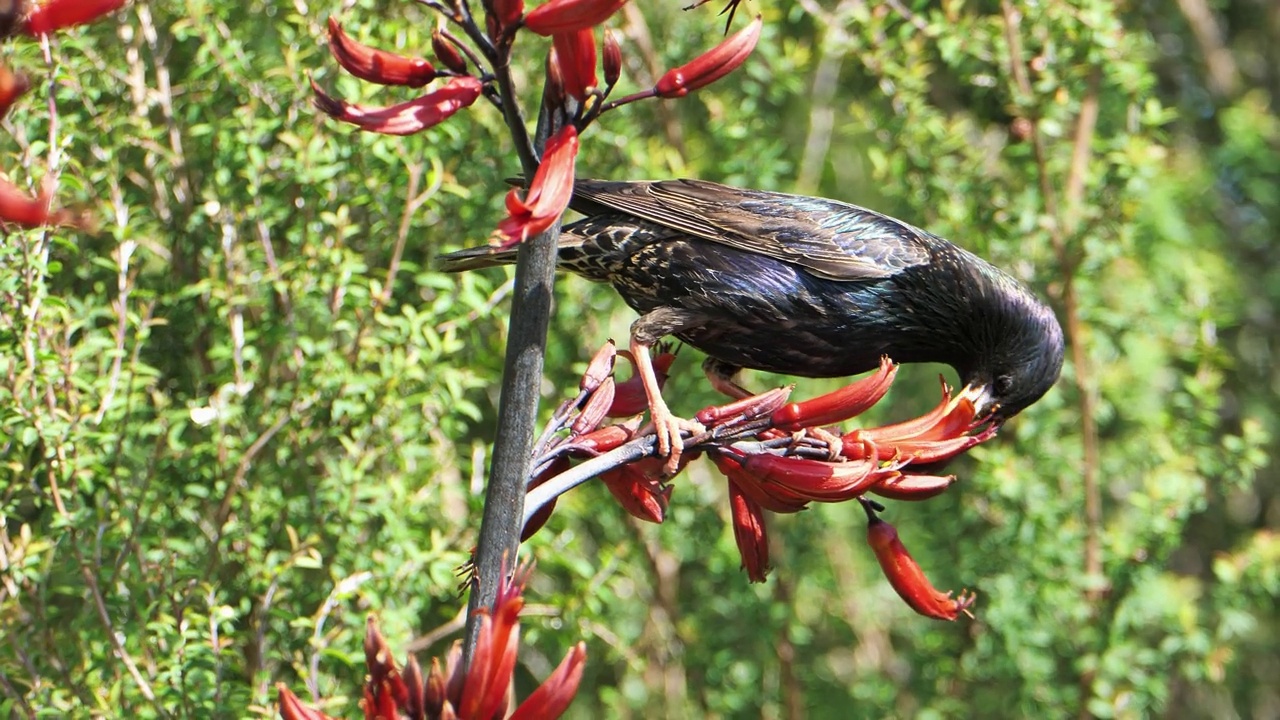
(830, 239)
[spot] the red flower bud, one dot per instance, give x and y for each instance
(377, 66)
(711, 65)
(594, 411)
(747, 408)
(566, 16)
(749, 533)
(548, 194)
(576, 52)
(600, 367)
(601, 440)
(907, 578)
(447, 54)
(12, 86)
(849, 401)
(406, 118)
(59, 14)
(612, 59)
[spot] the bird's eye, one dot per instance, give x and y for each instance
(1003, 384)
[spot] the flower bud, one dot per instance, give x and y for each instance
(600, 367)
(849, 401)
(612, 59)
(711, 65)
(447, 54)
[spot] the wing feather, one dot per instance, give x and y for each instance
(831, 239)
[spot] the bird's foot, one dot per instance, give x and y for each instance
(834, 443)
(669, 429)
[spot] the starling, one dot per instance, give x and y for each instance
(799, 286)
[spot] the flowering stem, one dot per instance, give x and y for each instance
(500, 526)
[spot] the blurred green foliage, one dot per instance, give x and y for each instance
(247, 412)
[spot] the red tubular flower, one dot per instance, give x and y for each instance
(54, 15)
(934, 437)
(909, 486)
(907, 578)
(730, 464)
(567, 16)
(406, 118)
(548, 194)
(576, 53)
(291, 708)
(849, 401)
(12, 86)
(478, 694)
(506, 12)
(540, 518)
(816, 480)
(749, 533)
(765, 403)
(377, 66)
(554, 695)
(20, 209)
(629, 398)
(639, 489)
(711, 65)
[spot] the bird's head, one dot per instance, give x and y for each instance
(1019, 368)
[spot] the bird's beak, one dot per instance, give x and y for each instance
(980, 396)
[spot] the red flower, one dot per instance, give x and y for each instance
(406, 118)
(711, 65)
(478, 694)
(12, 86)
(907, 578)
(378, 66)
(639, 489)
(20, 209)
(576, 55)
(749, 533)
(566, 16)
(548, 194)
(59, 14)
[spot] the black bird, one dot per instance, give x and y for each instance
(800, 286)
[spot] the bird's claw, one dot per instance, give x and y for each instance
(669, 429)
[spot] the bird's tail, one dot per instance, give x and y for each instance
(476, 258)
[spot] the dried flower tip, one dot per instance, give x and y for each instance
(566, 16)
(377, 66)
(711, 65)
